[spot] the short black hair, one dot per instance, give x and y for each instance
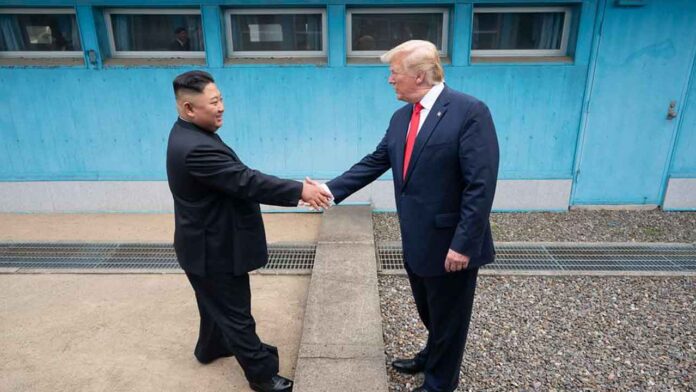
(193, 81)
(179, 30)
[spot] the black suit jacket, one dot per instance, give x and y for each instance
(218, 224)
(445, 201)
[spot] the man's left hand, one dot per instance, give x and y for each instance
(456, 261)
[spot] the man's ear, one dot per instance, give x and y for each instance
(188, 108)
(420, 77)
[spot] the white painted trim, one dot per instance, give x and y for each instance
(148, 54)
(36, 53)
(231, 53)
(48, 54)
(563, 51)
(154, 196)
(376, 53)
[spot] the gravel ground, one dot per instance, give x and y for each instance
(561, 333)
(575, 226)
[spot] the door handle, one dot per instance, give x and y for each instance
(672, 110)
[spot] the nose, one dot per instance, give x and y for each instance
(221, 107)
(391, 79)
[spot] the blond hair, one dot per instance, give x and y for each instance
(418, 56)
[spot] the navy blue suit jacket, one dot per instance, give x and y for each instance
(445, 201)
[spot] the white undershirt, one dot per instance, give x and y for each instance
(427, 102)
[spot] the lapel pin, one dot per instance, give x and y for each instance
(439, 114)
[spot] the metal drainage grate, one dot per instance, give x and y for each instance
(25, 256)
(572, 257)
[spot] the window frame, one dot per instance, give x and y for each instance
(393, 10)
(565, 33)
(144, 54)
(38, 54)
(246, 54)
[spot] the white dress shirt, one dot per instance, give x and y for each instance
(427, 102)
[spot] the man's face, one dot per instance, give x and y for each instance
(406, 84)
(205, 109)
(182, 36)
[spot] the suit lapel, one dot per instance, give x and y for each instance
(434, 116)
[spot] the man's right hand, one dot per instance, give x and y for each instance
(316, 197)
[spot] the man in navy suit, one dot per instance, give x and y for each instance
(443, 152)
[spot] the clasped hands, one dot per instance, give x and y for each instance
(315, 196)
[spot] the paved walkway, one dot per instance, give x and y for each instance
(138, 228)
(130, 332)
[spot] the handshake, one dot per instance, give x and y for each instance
(315, 195)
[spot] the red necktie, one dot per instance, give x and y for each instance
(412, 133)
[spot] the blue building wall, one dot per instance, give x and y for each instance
(111, 122)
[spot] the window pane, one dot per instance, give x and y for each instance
(279, 32)
(385, 31)
(39, 32)
(518, 30)
(160, 33)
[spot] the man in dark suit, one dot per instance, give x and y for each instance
(219, 234)
(181, 41)
(443, 152)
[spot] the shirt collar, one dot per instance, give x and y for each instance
(429, 99)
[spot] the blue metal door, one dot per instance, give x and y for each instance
(640, 75)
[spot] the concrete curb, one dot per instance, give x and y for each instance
(342, 348)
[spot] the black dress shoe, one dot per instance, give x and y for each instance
(276, 383)
(408, 366)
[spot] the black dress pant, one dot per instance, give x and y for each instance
(444, 305)
(227, 326)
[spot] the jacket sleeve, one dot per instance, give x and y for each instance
(478, 161)
(217, 169)
(362, 173)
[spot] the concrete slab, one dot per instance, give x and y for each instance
(128, 332)
(348, 262)
(136, 228)
(342, 313)
(342, 347)
(341, 375)
(347, 224)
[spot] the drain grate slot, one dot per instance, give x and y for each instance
(571, 257)
(25, 256)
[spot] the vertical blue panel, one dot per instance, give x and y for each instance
(684, 160)
(211, 17)
(337, 35)
(88, 35)
(583, 45)
(461, 34)
(643, 63)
